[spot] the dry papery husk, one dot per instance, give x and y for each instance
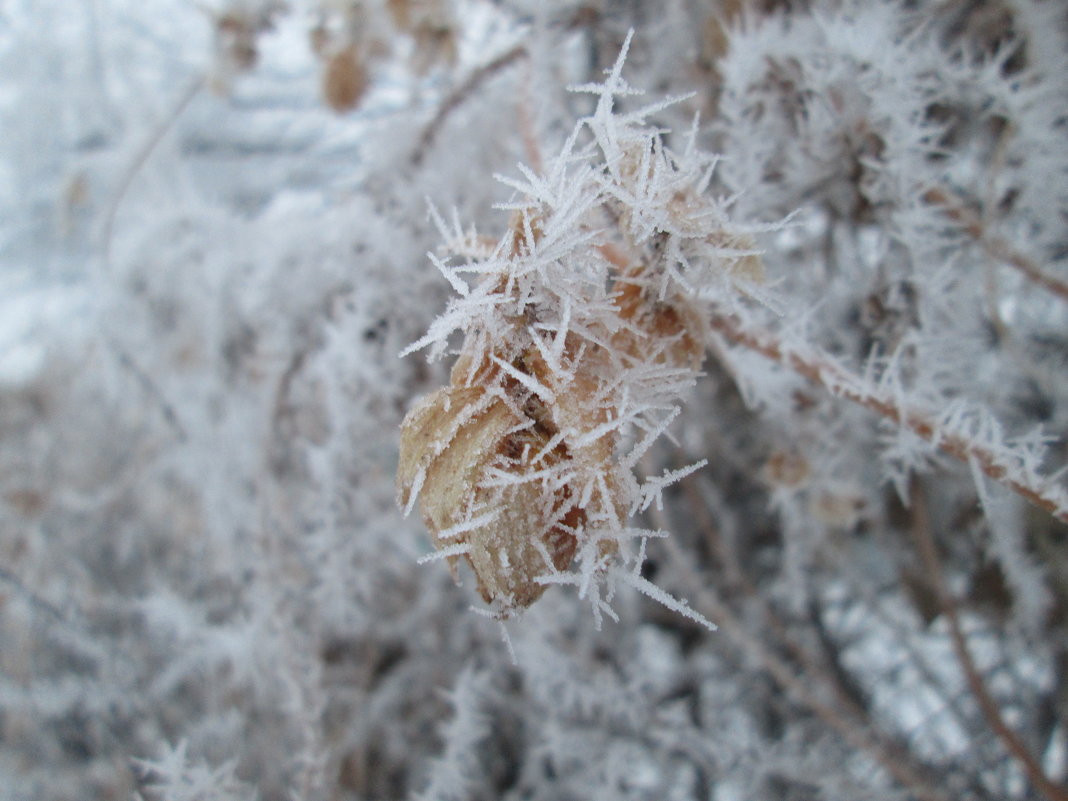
(487, 448)
(672, 332)
(450, 443)
(495, 476)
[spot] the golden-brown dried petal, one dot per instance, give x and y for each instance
(506, 555)
(449, 442)
(445, 440)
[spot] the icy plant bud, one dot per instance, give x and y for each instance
(236, 35)
(786, 469)
(237, 31)
(515, 463)
(584, 324)
(496, 476)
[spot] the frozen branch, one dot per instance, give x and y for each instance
(995, 247)
(1002, 464)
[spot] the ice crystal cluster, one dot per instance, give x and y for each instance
(441, 399)
(582, 324)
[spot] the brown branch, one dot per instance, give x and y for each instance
(460, 93)
(147, 147)
(584, 17)
(799, 686)
(987, 705)
(738, 582)
(845, 683)
(823, 370)
(995, 247)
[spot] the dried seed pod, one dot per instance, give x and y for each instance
(26, 502)
(470, 456)
(838, 507)
(673, 325)
(748, 268)
(435, 43)
(319, 39)
(344, 80)
(715, 41)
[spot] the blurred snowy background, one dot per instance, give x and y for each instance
(213, 247)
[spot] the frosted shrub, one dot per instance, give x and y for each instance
(722, 362)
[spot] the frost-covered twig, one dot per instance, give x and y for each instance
(143, 152)
(995, 247)
(803, 673)
(1015, 468)
(478, 77)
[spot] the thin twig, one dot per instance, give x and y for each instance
(921, 531)
(460, 93)
(777, 627)
(149, 145)
(861, 584)
(584, 17)
(822, 369)
(526, 124)
(151, 388)
(995, 247)
(33, 598)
